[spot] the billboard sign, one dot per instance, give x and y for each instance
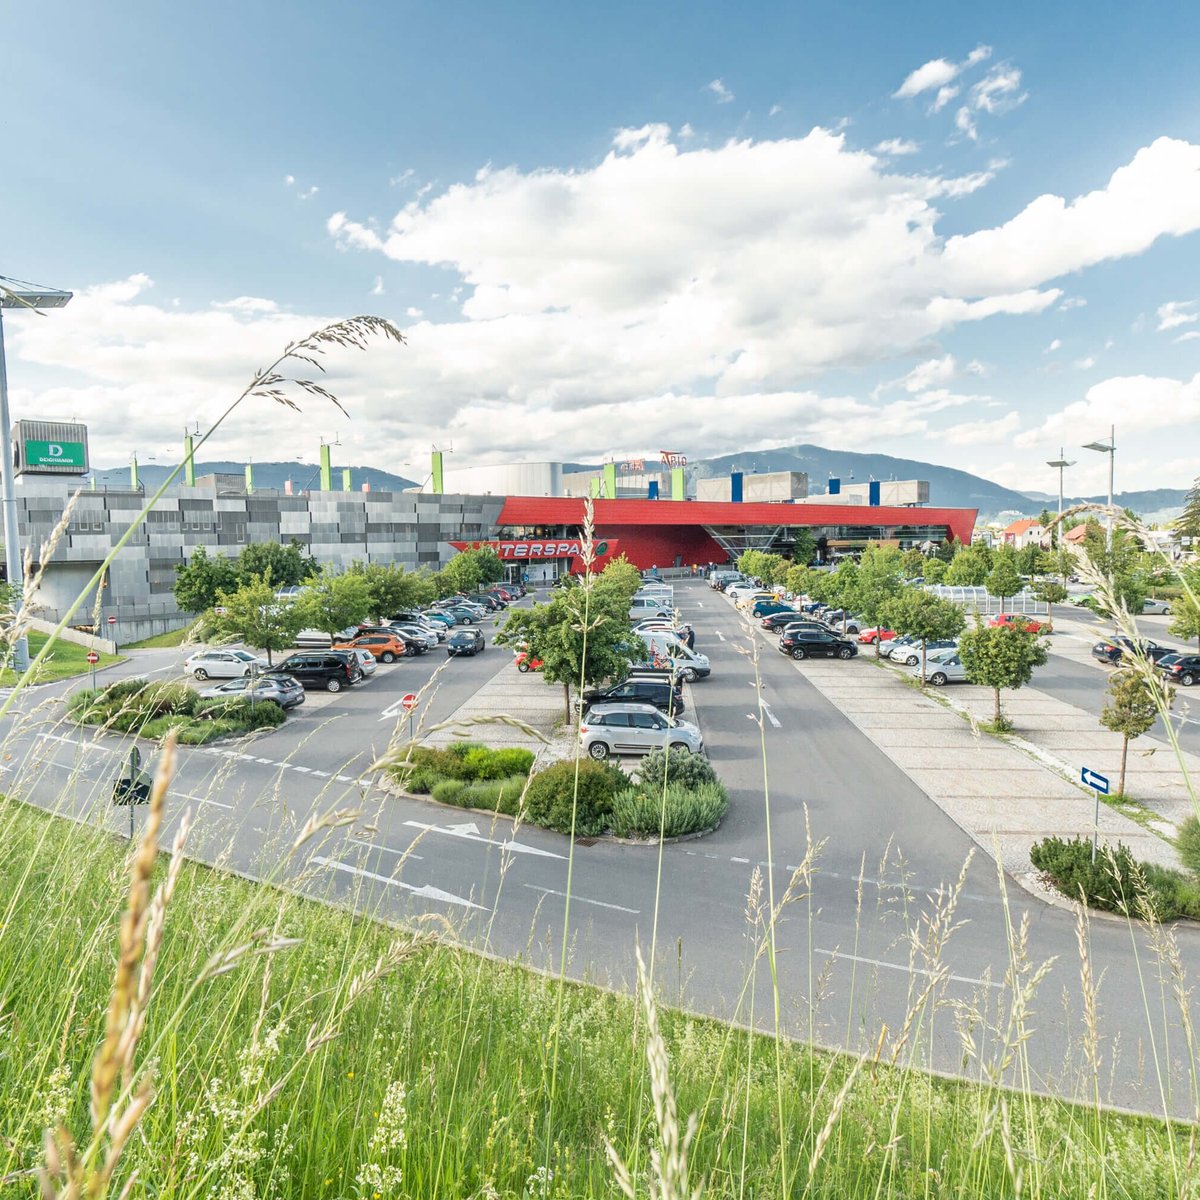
(540, 548)
(55, 454)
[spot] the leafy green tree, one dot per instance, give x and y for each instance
(798, 579)
(1060, 561)
(879, 581)
(1051, 592)
(392, 589)
(1185, 609)
(1132, 709)
(1004, 580)
(843, 587)
(998, 657)
(461, 574)
(285, 566)
(581, 635)
(333, 602)
(1029, 559)
(198, 581)
(947, 550)
(251, 614)
(917, 613)
(1122, 566)
(912, 563)
(935, 571)
(968, 569)
(620, 574)
(1187, 524)
(804, 546)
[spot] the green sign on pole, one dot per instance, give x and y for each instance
(54, 454)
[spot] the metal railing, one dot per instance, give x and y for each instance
(977, 598)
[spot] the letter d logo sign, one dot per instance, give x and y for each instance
(54, 450)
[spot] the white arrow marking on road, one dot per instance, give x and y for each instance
(719, 634)
(469, 828)
(427, 892)
(583, 899)
(458, 832)
(770, 715)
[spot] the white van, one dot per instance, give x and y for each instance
(688, 664)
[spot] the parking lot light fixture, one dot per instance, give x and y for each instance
(1109, 448)
(15, 293)
(1061, 464)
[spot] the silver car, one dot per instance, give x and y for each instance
(942, 668)
(635, 728)
(282, 689)
(223, 664)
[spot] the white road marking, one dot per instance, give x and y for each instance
(459, 831)
(583, 899)
(878, 962)
(323, 774)
(719, 634)
(426, 892)
(200, 799)
(58, 737)
(770, 715)
(740, 860)
(305, 770)
(344, 778)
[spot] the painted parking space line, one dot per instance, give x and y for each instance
(906, 968)
(96, 747)
(425, 891)
(533, 887)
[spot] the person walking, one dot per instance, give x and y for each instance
(690, 637)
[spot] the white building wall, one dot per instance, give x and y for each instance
(505, 479)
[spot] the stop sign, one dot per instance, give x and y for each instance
(93, 657)
(112, 620)
(409, 701)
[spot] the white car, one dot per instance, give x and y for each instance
(944, 667)
(366, 660)
(223, 664)
(737, 591)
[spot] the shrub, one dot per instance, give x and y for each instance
(199, 733)
(510, 791)
(451, 791)
(637, 813)
(418, 780)
(161, 726)
(512, 761)
(1188, 843)
(665, 766)
(552, 796)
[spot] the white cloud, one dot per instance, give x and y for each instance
(944, 96)
(377, 288)
(926, 374)
(775, 110)
(1086, 363)
(1071, 302)
(404, 177)
(631, 139)
(245, 304)
(413, 312)
(897, 147)
(937, 73)
(722, 93)
(288, 180)
(1190, 336)
(686, 131)
(997, 92)
(309, 193)
(983, 433)
(1175, 313)
(1056, 344)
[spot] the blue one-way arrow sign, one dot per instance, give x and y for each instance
(1094, 780)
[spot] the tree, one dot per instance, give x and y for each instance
(392, 589)
(1004, 579)
(331, 602)
(878, 582)
(842, 587)
(251, 614)
(1132, 708)
(798, 579)
(1051, 592)
(1187, 524)
(969, 568)
(935, 571)
(946, 551)
(581, 635)
(917, 613)
(998, 657)
(620, 573)
(1061, 562)
(1029, 559)
(912, 563)
(198, 581)
(1185, 609)
(804, 546)
(1121, 566)
(285, 566)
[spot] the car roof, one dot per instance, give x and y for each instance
(624, 706)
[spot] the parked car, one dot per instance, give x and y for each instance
(816, 643)
(942, 668)
(423, 637)
(465, 615)
(366, 660)
(1020, 621)
(780, 620)
(875, 633)
(896, 647)
(318, 639)
(464, 642)
(796, 626)
(445, 620)
(487, 601)
(276, 689)
(1111, 649)
(630, 728)
(1156, 608)
(735, 590)
(664, 692)
(1183, 670)
(328, 669)
(911, 655)
(223, 664)
(526, 662)
(385, 646)
(766, 608)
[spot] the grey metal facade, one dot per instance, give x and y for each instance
(336, 528)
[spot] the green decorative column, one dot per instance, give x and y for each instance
(678, 484)
(596, 482)
(249, 479)
(610, 480)
(133, 473)
(345, 479)
(326, 469)
(438, 483)
(189, 463)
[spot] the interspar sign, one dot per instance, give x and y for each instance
(540, 548)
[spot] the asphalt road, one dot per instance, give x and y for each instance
(864, 935)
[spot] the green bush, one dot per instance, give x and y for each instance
(1115, 881)
(512, 761)
(451, 791)
(510, 792)
(463, 761)
(674, 766)
(199, 733)
(1188, 843)
(499, 795)
(161, 726)
(551, 798)
(637, 813)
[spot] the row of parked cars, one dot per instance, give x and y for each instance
(1175, 665)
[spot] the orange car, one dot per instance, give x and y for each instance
(526, 662)
(1020, 621)
(386, 647)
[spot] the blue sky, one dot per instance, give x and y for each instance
(610, 230)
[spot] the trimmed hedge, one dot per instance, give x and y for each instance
(552, 799)
(1116, 881)
(637, 813)
(661, 767)
(465, 761)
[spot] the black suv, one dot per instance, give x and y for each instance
(1185, 669)
(661, 692)
(328, 669)
(816, 643)
(1111, 649)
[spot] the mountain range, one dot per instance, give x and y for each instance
(947, 486)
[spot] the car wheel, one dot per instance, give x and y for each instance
(410, 651)
(845, 652)
(200, 673)
(388, 656)
(681, 748)
(333, 685)
(1187, 680)
(523, 667)
(798, 653)
(912, 660)
(247, 673)
(598, 750)
(937, 679)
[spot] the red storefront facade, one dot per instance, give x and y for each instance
(666, 533)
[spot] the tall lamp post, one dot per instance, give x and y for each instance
(1061, 464)
(1109, 448)
(15, 294)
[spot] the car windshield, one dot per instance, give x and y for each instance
(243, 655)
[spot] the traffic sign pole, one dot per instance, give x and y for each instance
(409, 700)
(112, 630)
(1099, 784)
(93, 658)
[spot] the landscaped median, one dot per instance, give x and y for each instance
(152, 710)
(674, 794)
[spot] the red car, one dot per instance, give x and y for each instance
(871, 636)
(526, 663)
(1019, 621)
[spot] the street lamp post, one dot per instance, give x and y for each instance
(1109, 448)
(18, 296)
(1061, 464)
